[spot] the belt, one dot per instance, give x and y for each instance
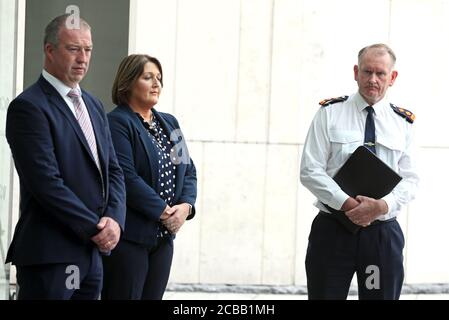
(375, 222)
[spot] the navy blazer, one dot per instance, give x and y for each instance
(138, 158)
(62, 194)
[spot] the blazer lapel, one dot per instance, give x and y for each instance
(148, 146)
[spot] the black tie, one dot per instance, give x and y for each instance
(370, 130)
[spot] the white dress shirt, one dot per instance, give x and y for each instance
(62, 89)
(337, 130)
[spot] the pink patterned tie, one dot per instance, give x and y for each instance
(84, 121)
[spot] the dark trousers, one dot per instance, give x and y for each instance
(134, 272)
(62, 281)
(374, 254)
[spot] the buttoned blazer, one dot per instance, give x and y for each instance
(138, 157)
(63, 195)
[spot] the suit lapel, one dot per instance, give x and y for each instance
(55, 99)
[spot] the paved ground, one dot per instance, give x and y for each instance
(174, 295)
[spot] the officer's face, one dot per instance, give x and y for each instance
(374, 75)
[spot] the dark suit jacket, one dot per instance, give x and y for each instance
(138, 158)
(62, 194)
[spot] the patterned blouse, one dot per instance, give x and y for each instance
(166, 168)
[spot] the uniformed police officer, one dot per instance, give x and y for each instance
(338, 128)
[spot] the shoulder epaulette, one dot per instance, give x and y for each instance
(327, 102)
(408, 115)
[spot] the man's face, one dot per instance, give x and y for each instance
(69, 61)
(374, 75)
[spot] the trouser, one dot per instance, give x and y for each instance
(334, 255)
(62, 281)
(135, 272)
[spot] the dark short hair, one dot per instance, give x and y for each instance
(129, 70)
(381, 47)
(52, 29)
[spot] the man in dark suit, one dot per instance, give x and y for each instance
(72, 194)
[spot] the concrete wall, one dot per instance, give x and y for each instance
(244, 78)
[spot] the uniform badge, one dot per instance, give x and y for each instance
(330, 101)
(408, 115)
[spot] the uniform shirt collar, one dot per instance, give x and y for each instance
(361, 104)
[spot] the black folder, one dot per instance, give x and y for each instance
(363, 174)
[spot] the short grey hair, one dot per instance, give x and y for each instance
(382, 48)
(52, 29)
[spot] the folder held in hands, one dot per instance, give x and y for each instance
(366, 175)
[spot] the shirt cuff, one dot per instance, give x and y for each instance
(190, 209)
(338, 199)
(391, 203)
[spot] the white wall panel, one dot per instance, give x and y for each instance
(244, 77)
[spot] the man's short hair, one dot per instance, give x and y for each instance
(383, 48)
(52, 30)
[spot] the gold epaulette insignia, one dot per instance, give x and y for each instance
(330, 101)
(408, 115)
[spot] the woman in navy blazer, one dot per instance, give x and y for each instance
(160, 180)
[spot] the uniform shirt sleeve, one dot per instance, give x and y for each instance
(313, 174)
(405, 191)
